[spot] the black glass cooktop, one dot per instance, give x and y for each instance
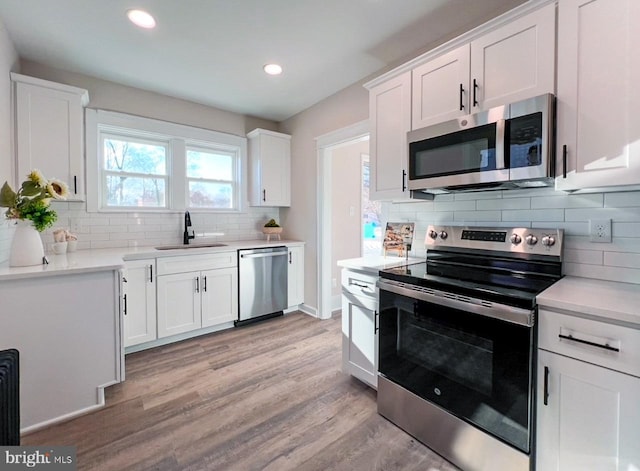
(505, 280)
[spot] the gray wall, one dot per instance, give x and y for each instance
(8, 63)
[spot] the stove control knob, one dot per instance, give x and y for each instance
(515, 239)
(548, 241)
(443, 235)
(433, 234)
(531, 239)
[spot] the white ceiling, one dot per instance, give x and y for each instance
(212, 51)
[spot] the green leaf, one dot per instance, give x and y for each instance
(7, 196)
(30, 188)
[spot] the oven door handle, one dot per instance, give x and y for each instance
(498, 311)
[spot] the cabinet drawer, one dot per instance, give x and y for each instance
(612, 346)
(187, 263)
(360, 284)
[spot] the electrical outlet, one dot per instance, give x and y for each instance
(600, 230)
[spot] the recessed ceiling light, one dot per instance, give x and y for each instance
(273, 69)
(141, 18)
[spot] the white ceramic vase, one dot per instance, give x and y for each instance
(26, 248)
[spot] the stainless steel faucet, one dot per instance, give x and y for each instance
(187, 224)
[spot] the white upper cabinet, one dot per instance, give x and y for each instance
(49, 131)
(390, 116)
(514, 62)
(598, 131)
(511, 63)
(270, 168)
(441, 88)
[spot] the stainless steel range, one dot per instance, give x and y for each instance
(457, 343)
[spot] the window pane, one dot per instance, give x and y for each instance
(210, 195)
(135, 191)
(135, 157)
(209, 165)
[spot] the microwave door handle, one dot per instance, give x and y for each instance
(500, 144)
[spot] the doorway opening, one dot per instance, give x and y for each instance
(340, 222)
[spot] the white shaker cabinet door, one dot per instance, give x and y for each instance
(390, 115)
(598, 104)
(219, 296)
(588, 419)
(179, 303)
(514, 62)
(441, 89)
(295, 277)
(140, 304)
(360, 338)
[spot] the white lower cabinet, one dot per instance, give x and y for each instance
(139, 302)
(179, 303)
(295, 277)
(219, 296)
(588, 397)
(359, 326)
(196, 291)
(591, 417)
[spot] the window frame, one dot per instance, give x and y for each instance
(178, 138)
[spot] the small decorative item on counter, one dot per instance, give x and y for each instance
(272, 228)
(29, 206)
(72, 241)
(59, 248)
(60, 235)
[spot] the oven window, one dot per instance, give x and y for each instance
(470, 150)
(475, 367)
(425, 342)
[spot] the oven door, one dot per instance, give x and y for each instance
(475, 367)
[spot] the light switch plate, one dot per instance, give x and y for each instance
(600, 230)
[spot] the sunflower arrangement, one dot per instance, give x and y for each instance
(31, 201)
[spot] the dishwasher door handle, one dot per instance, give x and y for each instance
(263, 255)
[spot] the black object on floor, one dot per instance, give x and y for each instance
(9, 398)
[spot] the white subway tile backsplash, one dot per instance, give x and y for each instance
(601, 272)
(623, 199)
(469, 216)
(590, 257)
(615, 214)
(454, 205)
(547, 209)
(533, 215)
(621, 259)
(594, 200)
(509, 203)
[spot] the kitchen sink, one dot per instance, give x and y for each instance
(191, 246)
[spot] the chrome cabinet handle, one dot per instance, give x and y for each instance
(75, 184)
(150, 273)
(461, 94)
(197, 284)
(264, 195)
(204, 288)
(564, 161)
(404, 178)
(125, 305)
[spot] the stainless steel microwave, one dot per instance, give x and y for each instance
(509, 146)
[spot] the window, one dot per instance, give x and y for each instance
(210, 177)
(140, 164)
(134, 172)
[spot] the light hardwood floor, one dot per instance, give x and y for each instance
(269, 396)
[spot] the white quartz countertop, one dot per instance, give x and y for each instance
(608, 300)
(373, 264)
(85, 261)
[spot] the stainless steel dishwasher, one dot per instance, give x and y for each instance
(262, 275)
